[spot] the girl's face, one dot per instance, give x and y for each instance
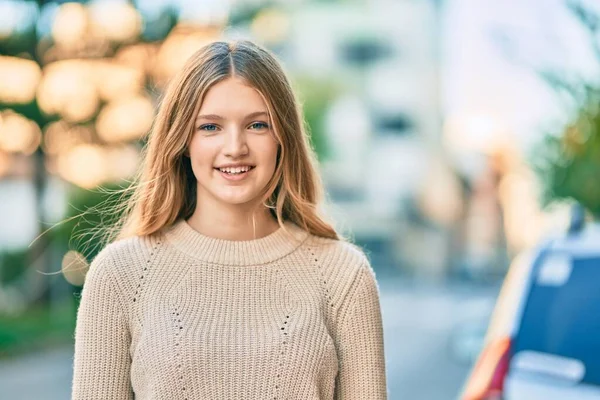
(233, 150)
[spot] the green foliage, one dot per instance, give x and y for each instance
(91, 213)
(12, 264)
(315, 96)
(244, 13)
(37, 328)
(569, 164)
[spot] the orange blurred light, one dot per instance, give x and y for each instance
(68, 88)
(70, 26)
(89, 165)
(122, 162)
(74, 267)
(117, 21)
(18, 134)
(115, 81)
(477, 132)
(138, 56)
(24, 78)
(84, 165)
(60, 136)
(181, 43)
(124, 120)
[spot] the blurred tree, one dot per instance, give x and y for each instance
(22, 42)
(315, 96)
(568, 164)
(29, 40)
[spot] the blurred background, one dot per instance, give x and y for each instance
(452, 136)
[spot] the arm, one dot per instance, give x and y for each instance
(359, 342)
(102, 340)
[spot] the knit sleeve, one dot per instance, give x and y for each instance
(359, 340)
(102, 340)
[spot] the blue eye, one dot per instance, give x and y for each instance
(259, 125)
(208, 127)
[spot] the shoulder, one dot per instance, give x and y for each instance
(121, 258)
(340, 254)
(340, 263)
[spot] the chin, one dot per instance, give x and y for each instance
(237, 200)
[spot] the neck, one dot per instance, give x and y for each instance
(233, 223)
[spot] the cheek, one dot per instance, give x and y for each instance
(268, 149)
(202, 160)
(202, 153)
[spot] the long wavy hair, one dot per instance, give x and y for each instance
(165, 187)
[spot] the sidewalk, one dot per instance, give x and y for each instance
(45, 375)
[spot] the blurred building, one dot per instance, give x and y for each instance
(383, 132)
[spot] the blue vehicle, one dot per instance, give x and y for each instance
(543, 341)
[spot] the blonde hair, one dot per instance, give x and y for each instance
(165, 188)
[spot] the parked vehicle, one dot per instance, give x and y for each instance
(543, 341)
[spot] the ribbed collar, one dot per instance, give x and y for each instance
(235, 252)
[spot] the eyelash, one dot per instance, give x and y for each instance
(203, 127)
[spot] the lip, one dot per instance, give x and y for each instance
(235, 165)
(234, 178)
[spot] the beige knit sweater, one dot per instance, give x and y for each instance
(186, 316)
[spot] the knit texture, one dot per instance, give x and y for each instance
(180, 315)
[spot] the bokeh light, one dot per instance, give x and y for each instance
(181, 43)
(60, 136)
(89, 165)
(74, 267)
(141, 56)
(70, 26)
(126, 119)
(122, 162)
(84, 165)
(68, 89)
(18, 134)
(118, 21)
(24, 78)
(114, 80)
(476, 132)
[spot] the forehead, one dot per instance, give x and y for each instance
(232, 97)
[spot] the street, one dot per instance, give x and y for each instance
(419, 322)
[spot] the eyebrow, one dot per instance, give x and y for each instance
(214, 117)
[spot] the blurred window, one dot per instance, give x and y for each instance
(562, 313)
(398, 124)
(363, 51)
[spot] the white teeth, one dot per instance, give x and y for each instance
(236, 170)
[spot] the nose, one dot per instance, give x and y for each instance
(235, 144)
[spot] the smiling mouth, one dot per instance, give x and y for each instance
(235, 171)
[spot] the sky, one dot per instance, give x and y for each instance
(491, 51)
